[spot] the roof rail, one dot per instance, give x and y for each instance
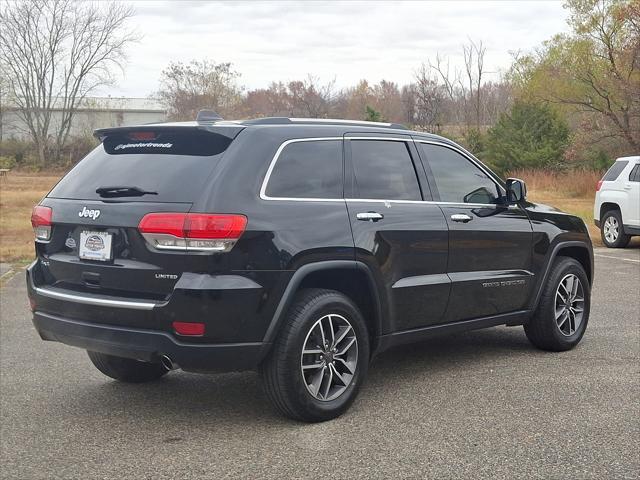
(321, 121)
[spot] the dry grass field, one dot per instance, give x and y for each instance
(572, 192)
(18, 194)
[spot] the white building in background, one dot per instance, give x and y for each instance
(94, 112)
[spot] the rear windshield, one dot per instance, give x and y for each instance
(173, 166)
(615, 170)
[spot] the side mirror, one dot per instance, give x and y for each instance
(516, 190)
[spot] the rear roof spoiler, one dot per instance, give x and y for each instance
(229, 131)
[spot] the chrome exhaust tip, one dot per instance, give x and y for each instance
(168, 363)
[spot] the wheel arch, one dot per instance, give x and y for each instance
(579, 251)
(349, 277)
(608, 206)
(581, 254)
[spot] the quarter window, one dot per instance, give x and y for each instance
(457, 179)
(614, 172)
(310, 169)
(383, 170)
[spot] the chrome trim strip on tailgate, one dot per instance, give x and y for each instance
(94, 300)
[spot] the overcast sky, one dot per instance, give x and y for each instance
(347, 41)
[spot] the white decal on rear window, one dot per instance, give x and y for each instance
(122, 146)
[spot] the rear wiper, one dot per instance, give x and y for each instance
(111, 192)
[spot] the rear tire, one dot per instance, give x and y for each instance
(126, 369)
(612, 230)
(561, 318)
(317, 386)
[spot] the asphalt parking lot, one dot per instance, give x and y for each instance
(483, 404)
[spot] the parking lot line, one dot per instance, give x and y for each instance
(617, 258)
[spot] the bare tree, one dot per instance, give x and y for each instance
(354, 100)
(388, 100)
(429, 99)
(310, 98)
(496, 99)
(474, 69)
(56, 52)
(4, 97)
(266, 102)
(469, 100)
(408, 95)
(451, 85)
(297, 98)
(187, 88)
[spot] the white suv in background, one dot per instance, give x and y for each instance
(617, 207)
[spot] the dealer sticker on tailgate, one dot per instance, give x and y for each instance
(95, 246)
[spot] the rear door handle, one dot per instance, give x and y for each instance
(369, 216)
(461, 217)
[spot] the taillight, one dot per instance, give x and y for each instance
(203, 232)
(598, 185)
(41, 223)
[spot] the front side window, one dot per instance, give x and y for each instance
(310, 169)
(383, 170)
(634, 176)
(457, 179)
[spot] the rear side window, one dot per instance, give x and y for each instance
(615, 171)
(307, 169)
(634, 176)
(383, 170)
(174, 167)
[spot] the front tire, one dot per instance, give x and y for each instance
(560, 320)
(320, 358)
(126, 369)
(612, 230)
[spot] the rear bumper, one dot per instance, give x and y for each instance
(149, 345)
(142, 330)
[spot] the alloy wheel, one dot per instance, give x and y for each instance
(611, 229)
(329, 357)
(569, 304)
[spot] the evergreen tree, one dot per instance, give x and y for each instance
(528, 136)
(372, 115)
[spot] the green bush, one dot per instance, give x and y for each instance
(76, 149)
(18, 150)
(528, 136)
(599, 160)
(473, 140)
(7, 162)
(372, 115)
(23, 153)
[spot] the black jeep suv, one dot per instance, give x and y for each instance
(298, 247)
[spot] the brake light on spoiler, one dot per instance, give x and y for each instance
(199, 232)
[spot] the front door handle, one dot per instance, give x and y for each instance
(461, 217)
(369, 216)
